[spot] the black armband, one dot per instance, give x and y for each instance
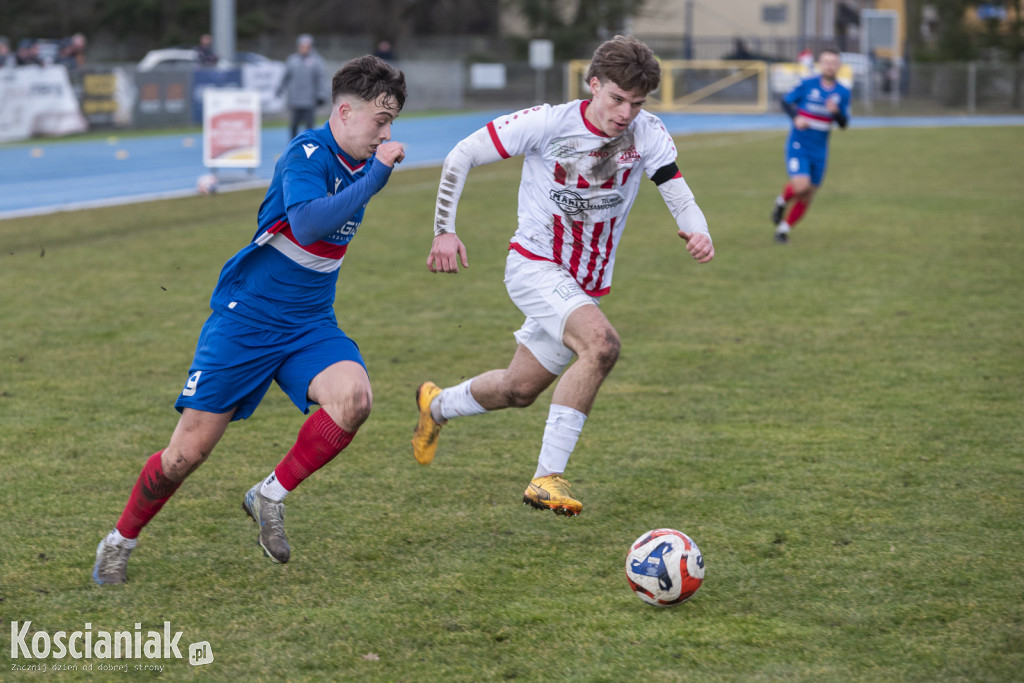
(665, 173)
(840, 118)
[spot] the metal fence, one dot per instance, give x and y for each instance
(764, 48)
(971, 87)
(118, 97)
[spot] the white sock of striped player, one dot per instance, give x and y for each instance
(455, 401)
(273, 489)
(115, 538)
(561, 432)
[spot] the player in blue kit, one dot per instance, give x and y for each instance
(814, 106)
(273, 316)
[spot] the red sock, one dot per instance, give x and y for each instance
(151, 491)
(787, 192)
(320, 439)
(796, 213)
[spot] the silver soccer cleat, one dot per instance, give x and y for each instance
(269, 516)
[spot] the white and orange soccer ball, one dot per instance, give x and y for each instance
(664, 567)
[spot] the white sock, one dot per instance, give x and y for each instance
(561, 432)
(780, 201)
(115, 538)
(455, 401)
(272, 489)
(783, 228)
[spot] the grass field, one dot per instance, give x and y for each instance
(838, 423)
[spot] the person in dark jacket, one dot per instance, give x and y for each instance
(204, 52)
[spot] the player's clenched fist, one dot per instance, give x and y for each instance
(391, 153)
(699, 245)
(445, 254)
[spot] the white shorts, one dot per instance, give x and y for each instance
(546, 294)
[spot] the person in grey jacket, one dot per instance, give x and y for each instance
(304, 84)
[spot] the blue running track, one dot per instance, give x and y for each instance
(45, 176)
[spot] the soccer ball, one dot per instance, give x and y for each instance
(207, 184)
(664, 567)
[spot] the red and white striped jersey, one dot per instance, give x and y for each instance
(578, 184)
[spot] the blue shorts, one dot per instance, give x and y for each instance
(235, 363)
(800, 161)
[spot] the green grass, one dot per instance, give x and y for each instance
(839, 424)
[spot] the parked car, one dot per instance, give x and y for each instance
(187, 58)
(169, 58)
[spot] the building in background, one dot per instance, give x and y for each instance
(773, 29)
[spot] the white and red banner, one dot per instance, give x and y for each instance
(231, 128)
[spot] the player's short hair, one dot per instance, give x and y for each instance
(829, 51)
(626, 62)
(373, 80)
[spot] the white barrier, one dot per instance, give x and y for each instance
(38, 100)
(265, 78)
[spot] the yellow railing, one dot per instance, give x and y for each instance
(674, 80)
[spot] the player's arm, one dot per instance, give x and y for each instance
(841, 113)
(447, 249)
(315, 219)
(693, 226)
(792, 110)
(790, 107)
(791, 101)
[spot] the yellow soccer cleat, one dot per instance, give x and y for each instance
(552, 493)
(424, 437)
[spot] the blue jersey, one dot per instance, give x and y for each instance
(278, 282)
(808, 100)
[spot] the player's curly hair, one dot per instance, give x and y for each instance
(373, 80)
(626, 62)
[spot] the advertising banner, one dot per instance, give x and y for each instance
(205, 79)
(785, 76)
(162, 98)
(231, 128)
(38, 100)
(265, 77)
(106, 96)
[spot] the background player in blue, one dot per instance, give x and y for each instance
(814, 106)
(273, 316)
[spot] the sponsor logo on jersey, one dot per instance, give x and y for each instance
(571, 203)
(345, 233)
(630, 156)
(564, 148)
(310, 148)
